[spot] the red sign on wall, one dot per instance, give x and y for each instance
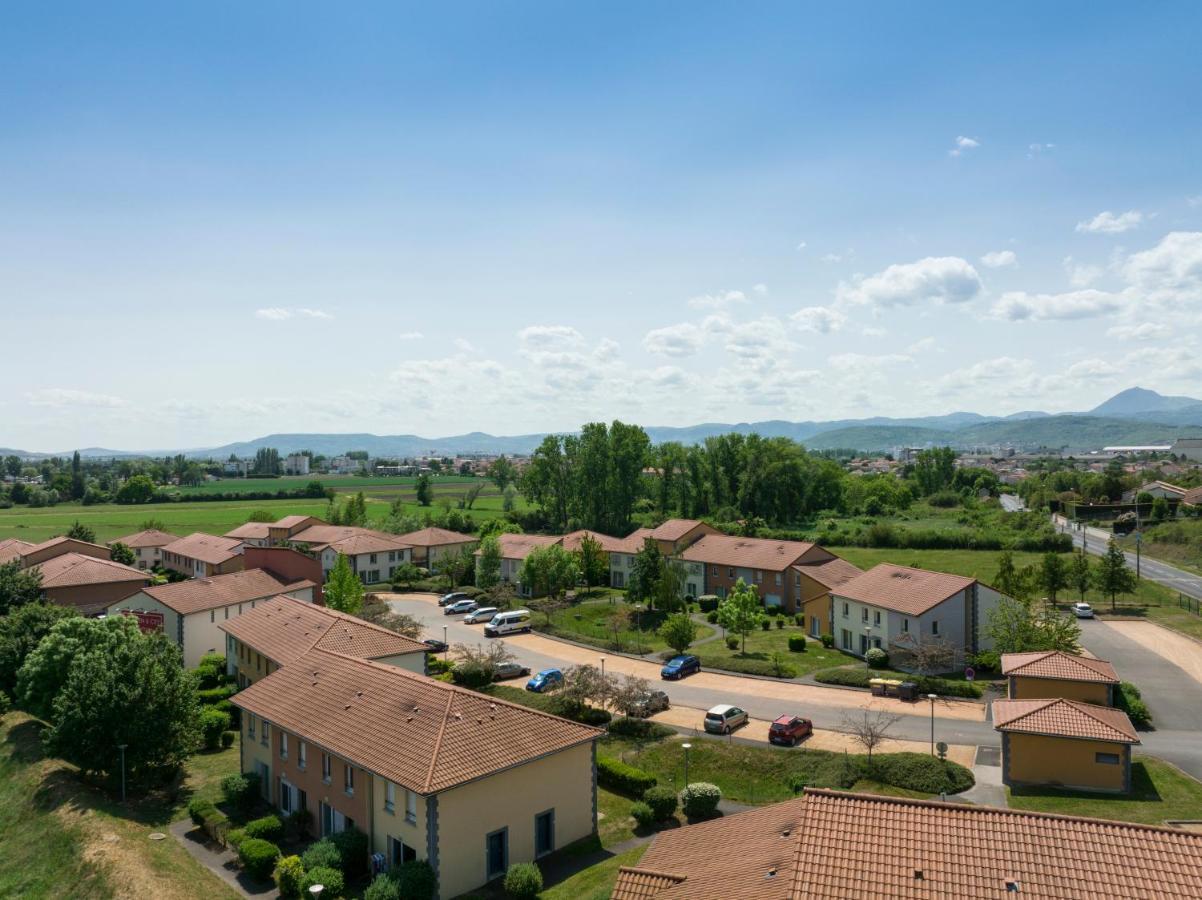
(149, 622)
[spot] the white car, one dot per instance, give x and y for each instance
(480, 616)
(1082, 610)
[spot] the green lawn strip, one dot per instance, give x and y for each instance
(760, 647)
(1177, 542)
(587, 622)
(1160, 791)
(597, 881)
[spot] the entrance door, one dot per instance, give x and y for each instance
(497, 846)
(815, 625)
(863, 644)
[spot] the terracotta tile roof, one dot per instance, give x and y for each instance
(1058, 717)
(199, 594)
(747, 553)
(13, 549)
(75, 569)
(422, 734)
(830, 573)
(1060, 666)
(674, 529)
(842, 845)
(293, 521)
(150, 537)
(633, 542)
(348, 539)
(609, 544)
(902, 589)
(435, 537)
(1192, 497)
(518, 546)
(284, 629)
(250, 531)
(208, 548)
(64, 544)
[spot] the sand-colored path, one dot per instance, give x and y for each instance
(1184, 652)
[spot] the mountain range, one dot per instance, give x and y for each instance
(1133, 416)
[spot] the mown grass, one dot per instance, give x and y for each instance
(762, 644)
(588, 622)
(1159, 792)
(597, 881)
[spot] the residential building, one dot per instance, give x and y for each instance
(281, 630)
(88, 583)
(1065, 743)
(427, 770)
(430, 544)
(892, 607)
(1047, 674)
(813, 583)
(147, 545)
(764, 564)
(59, 546)
(296, 464)
(13, 548)
(1192, 497)
(674, 535)
(189, 612)
(1157, 490)
(836, 844)
(288, 566)
(621, 556)
(270, 534)
(514, 550)
(373, 554)
(203, 555)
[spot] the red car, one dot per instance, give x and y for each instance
(789, 730)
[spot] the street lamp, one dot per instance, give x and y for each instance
(316, 890)
(602, 666)
(867, 645)
(444, 643)
(686, 747)
(931, 697)
(122, 747)
(638, 628)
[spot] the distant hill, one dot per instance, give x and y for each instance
(1137, 401)
(879, 437)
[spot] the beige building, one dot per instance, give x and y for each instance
(199, 555)
(431, 544)
(765, 564)
(272, 534)
(59, 546)
(427, 770)
(190, 612)
(373, 555)
(1045, 674)
(813, 583)
(147, 546)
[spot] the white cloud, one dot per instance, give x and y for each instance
(818, 319)
(801, 245)
(684, 339)
(758, 338)
(998, 259)
(873, 331)
(1034, 150)
(831, 257)
(922, 345)
(1001, 376)
(1092, 370)
(867, 361)
(69, 397)
(539, 337)
(1019, 306)
(606, 350)
(1081, 274)
(1107, 222)
(720, 300)
(760, 288)
(963, 143)
(313, 313)
(667, 376)
(1194, 201)
(463, 345)
(280, 313)
(1146, 331)
(1170, 272)
(410, 336)
(936, 279)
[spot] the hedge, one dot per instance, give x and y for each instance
(199, 808)
(322, 854)
(331, 879)
(749, 666)
(662, 801)
(1128, 699)
(384, 887)
(241, 791)
(920, 772)
(700, 799)
(618, 776)
(269, 828)
(643, 814)
(708, 604)
(523, 881)
(797, 643)
(858, 677)
(352, 851)
(416, 879)
(213, 723)
(625, 726)
(210, 696)
(258, 858)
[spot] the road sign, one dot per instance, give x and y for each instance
(969, 673)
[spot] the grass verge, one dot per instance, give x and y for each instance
(1159, 792)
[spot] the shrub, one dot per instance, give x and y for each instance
(986, 661)
(877, 657)
(211, 696)
(437, 665)
(234, 838)
(752, 666)
(766, 624)
(227, 739)
(269, 828)
(333, 880)
(712, 617)
(732, 642)
(618, 776)
(523, 881)
(780, 668)
(384, 887)
(643, 814)
(625, 726)
(1128, 699)
(352, 850)
(797, 643)
(661, 800)
(300, 821)
(799, 620)
(240, 791)
(5, 703)
(857, 677)
(198, 809)
(921, 772)
(780, 623)
(700, 799)
(289, 875)
(321, 855)
(828, 641)
(212, 723)
(258, 857)
(415, 879)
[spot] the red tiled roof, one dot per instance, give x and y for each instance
(609, 544)
(422, 734)
(1059, 665)
(633, 542)
(1058, 717)
(284, 629)
(199, 594)
(75, 569)
(902, 588)
(518, 546)
(1192, 497)
(208, 548)
(250, 531)
(830, 573)
(13, 549)
(674, 529)
(747, 553)
(349, 539)
(150, 537)
(831, 844)
(436, 537)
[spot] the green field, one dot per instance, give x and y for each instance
(340, 483)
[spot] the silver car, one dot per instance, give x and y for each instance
(724, 718)
(510, 670)
(480, 616)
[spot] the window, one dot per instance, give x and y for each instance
(392, 556)
(227, 612)
(846, 635)
(334, 822)
(212, 616)
(1107, 759)
(759, 576)
(326, 766)
(410, 807)
(544, 833)
(250, 726)
(778, 579)
(301, 755)
(348, 778)
(287, 797)
(399, 852)
(389, 796)
(934, 626)
(283, 745)
(876, 617)
(864, 613)
(905, 625)
(266, 740)
(797, 580)
(730, 573)
(372, 560)
(846, 611)
(497, 852)
(715, 571)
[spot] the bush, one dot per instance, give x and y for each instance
(227, 739)
(212, 696)
(732, 642)
(708, 604)
(618, 776)
(523, 881)
(258, 858)
(624, 726)
(858, 677)
(752, 666)
(592, 715)
(643, 814)
(712, 617)
(289, 875)
(877, 658)
(797, 643)
(269, 828)
(780, 623)
(352, 850)
(241, 791)
(799, 620)
(661, 800)
(333, 880)
(321, 855)
(5, 703)
(700, 799)
(828, 641)
(437, 665)
(921, 772)
(300, 821)
(766, 625)
(1128, 699)
(198, 809)
(780, 668)
(384, 887)
(234, 838)
(212, 723)
(986, 661)
(415, 879)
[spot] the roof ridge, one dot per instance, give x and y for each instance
(442, 730)
(1086, 710)
(661, 873)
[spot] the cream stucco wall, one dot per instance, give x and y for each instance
(413, 662)
(1038, 759)
(395, 823)
(1039, 688)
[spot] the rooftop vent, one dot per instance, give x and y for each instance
(771, 873)
(1012, 886)
(918, 876)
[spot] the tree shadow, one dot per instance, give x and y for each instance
(25, 741)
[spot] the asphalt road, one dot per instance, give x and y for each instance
(1095, 541)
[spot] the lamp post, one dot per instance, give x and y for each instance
(445, 646)
(686, 747)
(602, 666)
(638, 628)
(122, 747)
(931, 697)
(867, 645)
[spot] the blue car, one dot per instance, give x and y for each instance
(545, 680)
(679, 667)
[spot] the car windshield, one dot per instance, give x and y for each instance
(714, 716)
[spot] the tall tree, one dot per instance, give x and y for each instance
(488, 563)
(547, 480)
(45, 669)
(1112, 575)
(1080, 574)
(18, 586)
(741, 612)
(423, 490)
(1053, 575)
(502, 472)
(20, 632)
(678, 631)
(119, 552)
(78, 486)
(934, 469)
(593, 562)
(549, 570)
(343, 589)
(644, 576)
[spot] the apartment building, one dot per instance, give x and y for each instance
(147, 545)
(373, 555)
(429, 545)
(201, 555)
(514, 550)
(762, 563)
(88, 583)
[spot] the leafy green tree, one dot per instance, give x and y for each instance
(12, 465)
(488, 563)
(343, 589)
(1014, 627)
(1080, 574)
(549, 570)
(934, 469)
(133, 691)
(502, 473)
(547, 480)
(425, 493)
(678, 631)
(1112, 575)
(122, 554)
(405, 574)
(1006, 579)
(1160, 509)
(81, 532)
(593, 562)
(669, 586)
(18, 586)
(20, 633)
(1053, 575)
(45, 670)
(136, 489)
(646, 572)
(267, 461)
(78, 485)
(458, 568)
(741, 612)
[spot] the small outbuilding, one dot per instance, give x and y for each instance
(1044, 674)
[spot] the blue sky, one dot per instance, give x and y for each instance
(223, 219)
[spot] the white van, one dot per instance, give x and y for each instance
(514, 621)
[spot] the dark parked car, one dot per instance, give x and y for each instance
(435, 645)
(679, 667)
(789, 731)
(509, 670)
(649, 704)
(453, 597)
(545, 681)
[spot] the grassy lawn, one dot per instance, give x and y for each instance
(760, 647)
(588, 622)
(1177, 542)
(1160, 791)
(597, 881)
(73, 840)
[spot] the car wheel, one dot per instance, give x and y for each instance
(726, 729)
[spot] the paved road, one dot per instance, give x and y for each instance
(1095, 541)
